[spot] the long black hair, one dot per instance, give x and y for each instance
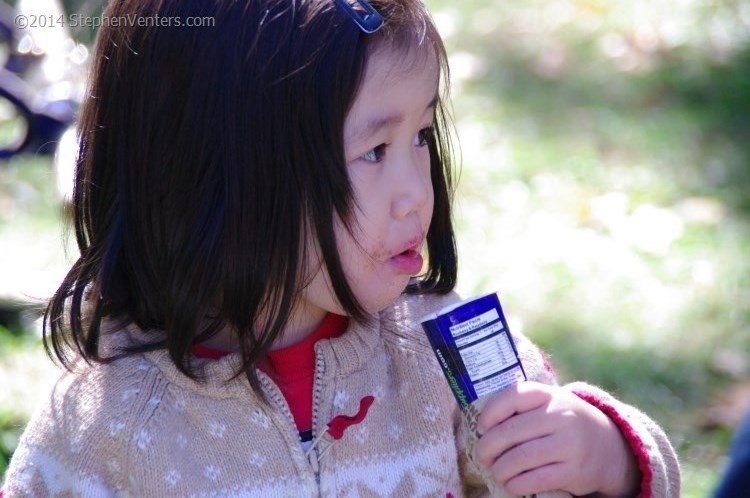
(208, 154)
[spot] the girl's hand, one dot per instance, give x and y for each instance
(537, 437)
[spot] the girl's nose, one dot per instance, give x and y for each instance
(412, 185)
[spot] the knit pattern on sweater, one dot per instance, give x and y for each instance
(138, 427)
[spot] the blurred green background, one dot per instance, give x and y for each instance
(605, 151)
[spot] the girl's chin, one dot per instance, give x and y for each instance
(377, 302)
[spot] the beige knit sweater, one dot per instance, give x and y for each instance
(138, 427)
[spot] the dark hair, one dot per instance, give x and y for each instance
(207, 156)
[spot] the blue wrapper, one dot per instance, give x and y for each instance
(473, 345)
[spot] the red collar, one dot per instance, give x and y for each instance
(288, 361)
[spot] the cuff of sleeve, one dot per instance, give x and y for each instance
(631, 436)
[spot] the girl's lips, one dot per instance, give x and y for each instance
(408, 262)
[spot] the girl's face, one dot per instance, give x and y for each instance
(389, 167)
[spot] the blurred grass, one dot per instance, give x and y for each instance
(33, 259)
(603, 194)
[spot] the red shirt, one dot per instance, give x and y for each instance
(293, 369)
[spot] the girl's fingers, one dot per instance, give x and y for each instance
(528, 456)
(539, 480)
(533, 464)
(518, 429)
(520, 398)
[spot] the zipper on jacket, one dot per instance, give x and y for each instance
(317, 388)
(277, 398)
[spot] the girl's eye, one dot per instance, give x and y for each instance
(424, 136)
(374, 155)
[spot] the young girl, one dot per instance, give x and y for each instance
(252, 200)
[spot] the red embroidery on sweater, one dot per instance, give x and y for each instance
(631, 436)
(338, 425)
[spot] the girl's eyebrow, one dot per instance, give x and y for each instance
(375, 125)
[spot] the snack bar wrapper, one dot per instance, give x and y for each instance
(474, 347)
(476, 352)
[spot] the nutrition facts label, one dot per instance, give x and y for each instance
(487, 353)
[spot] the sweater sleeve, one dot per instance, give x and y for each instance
(657, 461)
(74, 447)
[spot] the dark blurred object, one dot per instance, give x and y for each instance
(29, 122)
(736, 480)
(42, 83)
(26, 124)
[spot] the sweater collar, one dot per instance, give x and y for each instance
(353, 350)
(342, 355)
